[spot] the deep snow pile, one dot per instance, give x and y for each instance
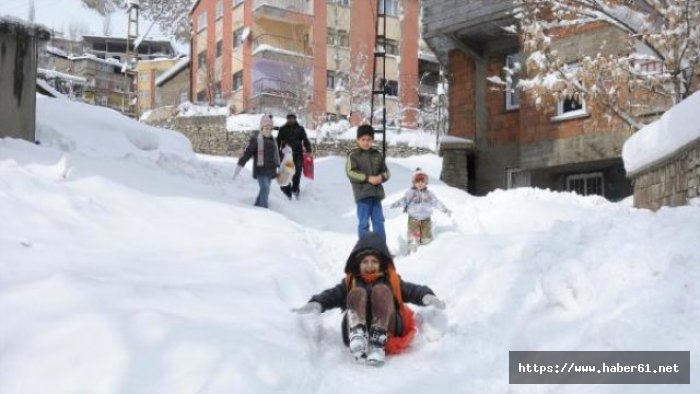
(124, 270)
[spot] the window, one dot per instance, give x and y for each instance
(330, 79)
(202, 21)
(219, 9)
(237, 2)
(237, 80)
(391, 47)
(201, 96)
(330, 37)
(217, 87)
(238, 37)
(570, 107)
(144, 76)
(219, 48)
(586, 184)
(388, 7)
(391, 87)
(342, 36)
(202, 59)
(512, 96)
(516, 177)
(344, 3)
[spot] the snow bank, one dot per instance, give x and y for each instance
(128, 275)
(678, 127)
(189, 109)
(99, 131)
(250, 122)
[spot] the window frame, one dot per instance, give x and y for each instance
(330, 76)
(586, 177)
(219, 9)
(237, 76)
(511, 92)
(577, 113)
(238, 33)
(219, 48)
(202, 21)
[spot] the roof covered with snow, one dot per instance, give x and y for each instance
(13, 25)
(676, 129)
(173, 71)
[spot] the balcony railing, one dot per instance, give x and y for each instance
(278, 88)
(299, 6)
(281, 45)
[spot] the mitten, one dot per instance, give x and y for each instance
(312, 307)
(430, 299)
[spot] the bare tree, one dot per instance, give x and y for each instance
(656, 64)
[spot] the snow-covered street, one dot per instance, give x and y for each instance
(128, 264)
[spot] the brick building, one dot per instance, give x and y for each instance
(282, 55)
(567, 146)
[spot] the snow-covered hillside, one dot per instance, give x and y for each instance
(130, 265)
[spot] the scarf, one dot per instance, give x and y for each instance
(371, 278)
(261, 151)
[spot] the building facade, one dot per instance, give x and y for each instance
(308, 56)
(148, 71)
(115, 48)
(563, 147)
(172, 86)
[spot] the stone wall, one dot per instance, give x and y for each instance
(208, 135)
(455, 154)
(671, 182)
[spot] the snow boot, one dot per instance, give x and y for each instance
(358, 342)
(377, 345)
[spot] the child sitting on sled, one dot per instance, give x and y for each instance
(419, 202)
(374, 296)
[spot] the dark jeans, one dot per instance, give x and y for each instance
(296, 179)
(370, 208)
(264, 193)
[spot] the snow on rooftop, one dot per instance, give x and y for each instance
(676, 128)
(270, 48)
(172, 71)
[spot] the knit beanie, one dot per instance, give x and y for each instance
(419, 175)
(265, 121)
(365, 129)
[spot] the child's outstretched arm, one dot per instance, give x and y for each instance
(439, 205)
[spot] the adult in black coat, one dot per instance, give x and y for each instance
(294, 135)
(374, 296)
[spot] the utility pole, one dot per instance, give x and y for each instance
(132, 34)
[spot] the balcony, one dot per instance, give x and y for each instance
(276, 96)
(287, 11)
(281, 49)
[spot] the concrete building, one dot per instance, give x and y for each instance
(115, 48)
(148, 71)
(106, 84)
(172, 86)
(290, 55)
(564, 147)
(19, 43)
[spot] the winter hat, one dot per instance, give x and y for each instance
(365, 129)
(419, 175)
(265, 121)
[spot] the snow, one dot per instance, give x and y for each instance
(126, 270)
(188, 109)
(60, 14)
(250, 122)
(57, 74)
(270, 48)
(341, 130)
(176, 68)
(677, 128)
(48, 88)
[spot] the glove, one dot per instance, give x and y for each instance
(237, 171)
(430, 299)
(312, 307)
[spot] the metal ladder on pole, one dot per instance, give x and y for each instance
(379, 56)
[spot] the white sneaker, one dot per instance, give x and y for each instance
(377, 343)
(358, 342)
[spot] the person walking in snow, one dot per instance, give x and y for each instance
(292, 134)
(419, 202)
(263, 148)
(374, 296)
(367, 170)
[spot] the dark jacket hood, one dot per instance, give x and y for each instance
(374, 241)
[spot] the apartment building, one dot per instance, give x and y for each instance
(115, 48)
(567, 146)
(313, 57)
(148, 71)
